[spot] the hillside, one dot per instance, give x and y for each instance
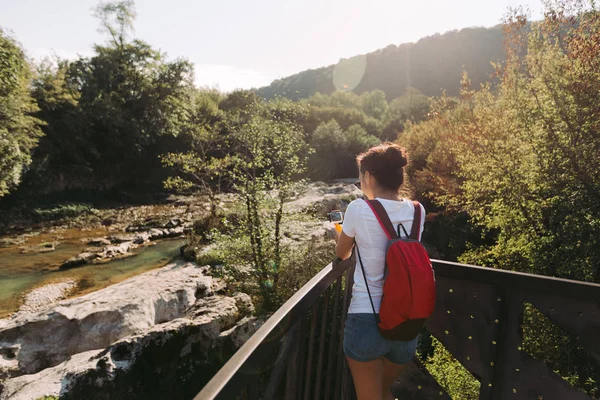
(430, 65)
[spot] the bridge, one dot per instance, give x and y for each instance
(297, 353)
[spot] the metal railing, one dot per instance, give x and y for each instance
(297, 353)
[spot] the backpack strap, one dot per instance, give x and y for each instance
(383, 218)
(416, 225)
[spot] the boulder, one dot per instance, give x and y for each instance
(99, 242)
(173, 360)
(116, 250)
(46, 338)
(79, 260)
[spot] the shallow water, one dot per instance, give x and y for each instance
(20, 273)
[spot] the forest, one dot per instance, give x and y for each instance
(431, 65)
(502, 126)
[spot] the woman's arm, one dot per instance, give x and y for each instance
(343, 247)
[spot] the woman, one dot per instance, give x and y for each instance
(375, 362)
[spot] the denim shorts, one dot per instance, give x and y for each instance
(362, 342)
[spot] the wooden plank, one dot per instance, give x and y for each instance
(466, 321)
(292, 367)
(333, 345)
(517, 280)
(300, 377)
(312, 332)
(511, 337)
(233, 376)
(342, 364)
(319, 376)
(279, 368)
(579, 318)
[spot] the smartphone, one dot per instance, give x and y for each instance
(336, 216)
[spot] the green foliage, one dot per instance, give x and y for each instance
(19, 130)
(62, 211)
(374, 103)
(413, 106)
(336, 150)
(547, 343)
(116, 19)
(451, 375)
(521, 159)
(260, 152)
(110, 116)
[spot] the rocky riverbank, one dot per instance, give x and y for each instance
(161, 334)
(125, 336)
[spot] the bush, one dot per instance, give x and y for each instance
(62, 211)
(450, 374)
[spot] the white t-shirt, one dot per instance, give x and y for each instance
(360, 223)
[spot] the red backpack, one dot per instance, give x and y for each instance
(409, 287)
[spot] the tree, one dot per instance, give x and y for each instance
(112, 115)
(116, 19)
(19, 129)
(205, 166)
(336, 150)
(270, 157)
(374, 103)
(413, 106)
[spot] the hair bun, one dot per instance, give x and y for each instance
(396, 157)
(386, 162)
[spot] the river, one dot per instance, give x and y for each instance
(20, 273)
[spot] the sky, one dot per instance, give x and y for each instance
(249, 43)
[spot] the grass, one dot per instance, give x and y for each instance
(62, 211)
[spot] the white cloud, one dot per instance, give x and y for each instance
(228, 78)
(223, 77)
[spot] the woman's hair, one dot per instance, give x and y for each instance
(386, 163)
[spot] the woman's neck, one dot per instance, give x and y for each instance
(386, 194)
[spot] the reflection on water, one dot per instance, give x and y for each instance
(19, 273)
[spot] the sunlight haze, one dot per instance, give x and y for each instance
(245, 44)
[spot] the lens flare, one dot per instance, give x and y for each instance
(348, 73)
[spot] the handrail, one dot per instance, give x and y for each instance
(223, 385)
(514, 287)
(518, 280)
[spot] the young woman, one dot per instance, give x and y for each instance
(375, 362)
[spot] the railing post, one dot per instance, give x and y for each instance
(288, 342)
(332, 343)
(509, 340)
(311, 349)
(292, 365)
(319, 376)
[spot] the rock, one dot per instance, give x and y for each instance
(116, 250)
(173, 223)
(174, 232)
(173, 360)
(320, 198)
(189, 252)
(6, 242)
(94, 321)
(156, 234)
(99, 242)
(77, 261)
(116, 239)
(141, 238)
(43, 297)
(40, 248)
